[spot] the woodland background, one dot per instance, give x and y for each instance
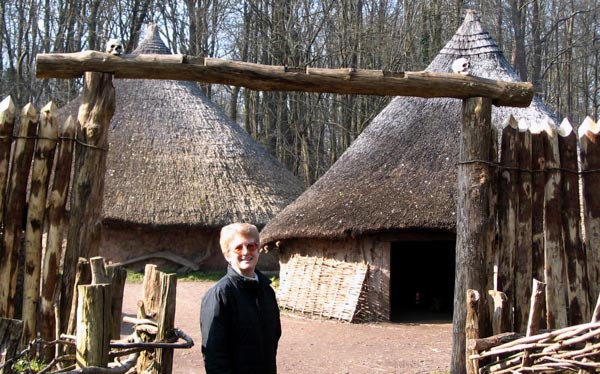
(553, 44)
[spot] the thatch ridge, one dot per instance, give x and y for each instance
(400, 173)
(176, 159)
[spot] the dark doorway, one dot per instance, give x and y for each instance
(422, 281)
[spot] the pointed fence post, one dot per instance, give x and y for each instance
(15, 209)
(589, 141)
(578, 286)
(556, 291)
(523, 258)
(56, 216)
(96, 111)
(474, 220)
(40, 175)
(166, 321)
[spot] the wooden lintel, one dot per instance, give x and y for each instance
(281, 78)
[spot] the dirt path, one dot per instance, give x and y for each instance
(317, 346)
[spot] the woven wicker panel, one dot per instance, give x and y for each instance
(322, 287)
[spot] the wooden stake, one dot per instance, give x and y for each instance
(15, 209)
(554, 271)
(474, 220)
(117, 276)
(507, 211)
(589, 142)
(575, 260)
(502, 312)
(282, 78)
(40, 175)
(536, 310)
(7, 122)
(56, 216)
(11, 331)
(472, 328)
(166, 321)
(93, 325)
(524, 256)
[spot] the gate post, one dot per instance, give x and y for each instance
(474, 221)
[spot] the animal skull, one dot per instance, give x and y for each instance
(114, 47)
(461, 66)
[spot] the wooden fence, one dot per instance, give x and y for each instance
(34, 180)
(548, 224)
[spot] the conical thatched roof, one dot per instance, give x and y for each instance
(400, 173)
(176, 159)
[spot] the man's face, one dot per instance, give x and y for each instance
(243, 254)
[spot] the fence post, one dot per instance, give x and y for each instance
(474, 220)
(15, 208)
(578, 286)
(589, 141)
(40, 175)
(166, 321)
(93, 325)
(56, 217)
(11, 331)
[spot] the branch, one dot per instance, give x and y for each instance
(282, 78)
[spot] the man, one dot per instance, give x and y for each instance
(239, 316)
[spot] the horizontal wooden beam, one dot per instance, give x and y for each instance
(282, 78)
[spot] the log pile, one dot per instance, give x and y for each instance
(570, 349)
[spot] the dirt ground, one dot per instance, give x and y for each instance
(321, 346)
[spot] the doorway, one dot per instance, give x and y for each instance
(422, 281)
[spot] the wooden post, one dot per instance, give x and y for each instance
(93, 325)
(151, 288)
(502, 312)
(56, 216)
(472, 328)
(556, 290)
(93, 120)
(117, 276)
(40, 175)
(474, 220)
(166, 321)
(575, 261)
(11, 331)
(507, 210)
(538, 182)
(536, 308)
(83, 276)
(523, 258)
(7, 122)
(589, 142)
(98, 267)
(148, 308)
(15, 209)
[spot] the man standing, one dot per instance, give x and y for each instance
(239, 316)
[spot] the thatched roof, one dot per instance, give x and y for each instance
(176, 159)
(400, 173)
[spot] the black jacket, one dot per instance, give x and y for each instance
(240, 324)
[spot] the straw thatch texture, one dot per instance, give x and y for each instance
(400, 173)
(175, 159)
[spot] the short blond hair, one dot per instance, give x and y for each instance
(236, 229)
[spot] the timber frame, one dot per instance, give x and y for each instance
(283, 78)
(478, 95)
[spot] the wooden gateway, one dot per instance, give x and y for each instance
(381, 222)
(178, 169)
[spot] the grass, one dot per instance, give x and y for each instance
(194, 276)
